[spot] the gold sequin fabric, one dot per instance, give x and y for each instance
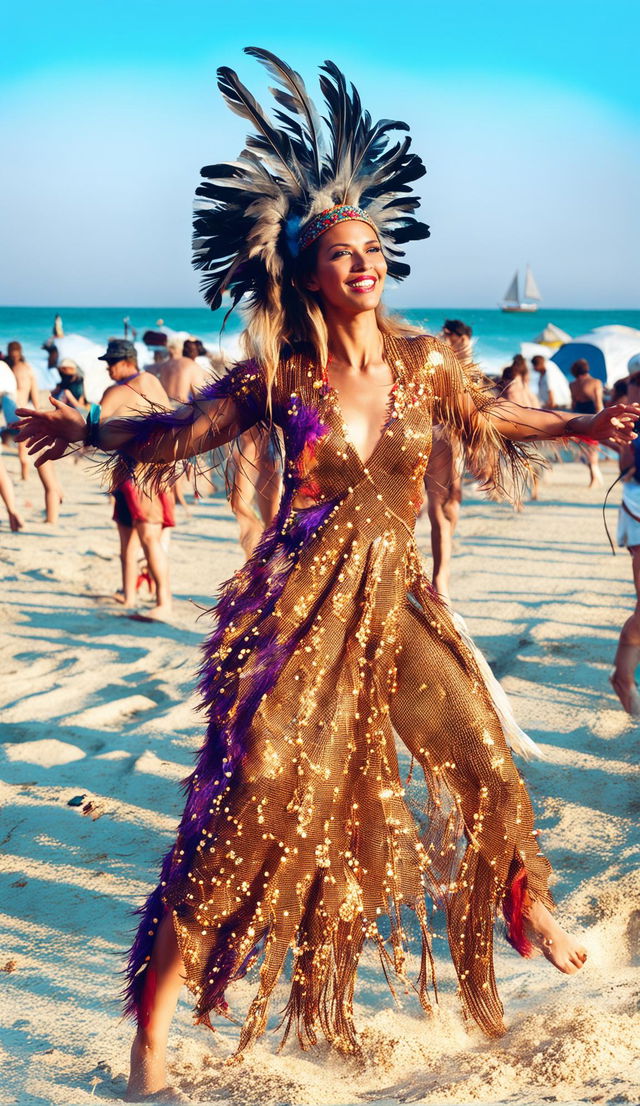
(313, 844)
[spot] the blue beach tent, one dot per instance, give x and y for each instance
(608, 349)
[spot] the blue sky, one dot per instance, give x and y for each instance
(527, 116)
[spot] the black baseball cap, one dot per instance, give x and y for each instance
(119, 349)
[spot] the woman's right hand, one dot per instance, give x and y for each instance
(51, 431)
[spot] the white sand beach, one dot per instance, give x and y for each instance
(98, 727)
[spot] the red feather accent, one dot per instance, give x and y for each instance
(513, 906)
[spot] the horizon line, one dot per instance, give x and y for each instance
(203, 307)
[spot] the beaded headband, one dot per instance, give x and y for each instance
(326, 219)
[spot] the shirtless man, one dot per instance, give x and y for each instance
(139, 516)
(27, 394)
(587, 399)
(180, 375)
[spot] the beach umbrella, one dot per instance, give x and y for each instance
(607, 349)
(552, 335)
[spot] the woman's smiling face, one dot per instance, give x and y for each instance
(350, 267)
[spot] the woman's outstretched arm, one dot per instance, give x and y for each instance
(463, 402)
(159, 437)
(496, 435)
(529, 424)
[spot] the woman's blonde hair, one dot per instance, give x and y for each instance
(286, 315)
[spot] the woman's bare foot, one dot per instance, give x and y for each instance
(627, 691)
(15, 521)
(565, 952)
(148, 1074)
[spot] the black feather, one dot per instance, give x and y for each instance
(240, 100)
(295, 98)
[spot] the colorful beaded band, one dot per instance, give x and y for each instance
(93, 425)
(329, 218)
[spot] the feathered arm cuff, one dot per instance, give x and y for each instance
(464, 404)
(154, 448)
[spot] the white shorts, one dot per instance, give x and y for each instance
(629, 527)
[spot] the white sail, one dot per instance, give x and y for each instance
(511, 294)
(531, 291)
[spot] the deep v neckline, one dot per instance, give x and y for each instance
(388, 411)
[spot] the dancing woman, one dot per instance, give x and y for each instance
(298, 834)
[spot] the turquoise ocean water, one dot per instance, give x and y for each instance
(498, 335)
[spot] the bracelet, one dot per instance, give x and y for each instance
(567, 432)
(93, 425)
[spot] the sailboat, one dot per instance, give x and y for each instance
(532, 297)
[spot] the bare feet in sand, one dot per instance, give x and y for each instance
(155, 614)
(561, 949)
(118, 597)
(627, 691)
(148, 1079)
(15, 521)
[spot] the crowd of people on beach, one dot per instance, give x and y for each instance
(179, 369)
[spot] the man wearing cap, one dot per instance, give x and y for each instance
(139, 516)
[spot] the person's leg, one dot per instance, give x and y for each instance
(595, 475)
(52, 491)
(179, 489)
(7, 496)
(441, 543)
(451, 505)
(23, 457)
(444, 492)
(163, 983)
(150, 534)
(129, 546)
(627, 659)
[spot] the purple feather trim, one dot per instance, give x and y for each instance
(257, 586)
(304, 428)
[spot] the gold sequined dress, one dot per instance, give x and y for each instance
(299, 836)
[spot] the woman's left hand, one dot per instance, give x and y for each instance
(613, 424)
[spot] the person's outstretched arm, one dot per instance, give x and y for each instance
(160, 437)
(462, 402)
(496, 435)
(529, 424)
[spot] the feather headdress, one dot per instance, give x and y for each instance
(250, 213)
